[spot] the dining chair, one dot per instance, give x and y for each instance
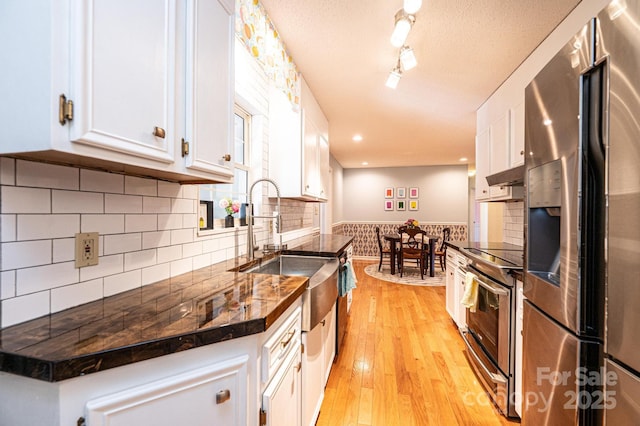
(414, 247)
(441, 250)
(385, 251)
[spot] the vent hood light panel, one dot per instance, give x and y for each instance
(509, 177)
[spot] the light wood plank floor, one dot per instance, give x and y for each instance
(402, 363)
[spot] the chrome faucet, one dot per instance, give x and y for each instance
(250, 216)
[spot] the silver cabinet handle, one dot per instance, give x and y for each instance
(159, 132)
(223, 396)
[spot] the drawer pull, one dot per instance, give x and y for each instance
(286, 341)
(223, 396)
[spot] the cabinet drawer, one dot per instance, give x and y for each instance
(275, 350)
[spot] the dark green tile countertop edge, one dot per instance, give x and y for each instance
(158, 319)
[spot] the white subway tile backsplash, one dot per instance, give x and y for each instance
(192, 249)
(7, 227)
(156, 239)
(7, 171)
(24, 254)
(102, 223)
(91, 180)
(24, 308)
(169, 189)
(39, 227)
(156, 205)
(201, 261)
(141, 223)
(122, 243)
(76, 294)
(122, 282)
(169, 221)
(7, 284)
(189, 191)
(190, 220)
(211, 245)
(64, 249)
(182, 205)
(107, 265)
(167, 254)
(16, 199)
(140, 259)
(182, 236)
(76, 202)
(156, 273)
(44, 175)
(32, 280)
(115, 203)
(140, 186)
(513, 223)
(181, 266)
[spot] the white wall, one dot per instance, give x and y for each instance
(337, 191)
(443, 193)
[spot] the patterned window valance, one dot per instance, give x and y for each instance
(262, 40)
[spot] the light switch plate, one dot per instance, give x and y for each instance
(87, 249)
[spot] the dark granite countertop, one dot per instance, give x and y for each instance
(322, 245)
(202, 307)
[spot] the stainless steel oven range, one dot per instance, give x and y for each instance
(490, 332)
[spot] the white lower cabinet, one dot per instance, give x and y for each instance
(282, 399)
(319, 351)
(450, 282)
(216, 393)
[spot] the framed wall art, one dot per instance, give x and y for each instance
(401, 192)
(388, 205)
(401, 205)
(388, 192)
(413, 205)
(413, 192)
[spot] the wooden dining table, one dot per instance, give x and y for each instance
(395, 241)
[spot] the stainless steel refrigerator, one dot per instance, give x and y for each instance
(581, 331)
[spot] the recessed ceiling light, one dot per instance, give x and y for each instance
(357, 138)
(463, 159)
(364, 163)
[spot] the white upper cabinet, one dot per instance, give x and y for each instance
(483, 158)
(298, 146)
(151, 85)
(499, 153)
(517, 135)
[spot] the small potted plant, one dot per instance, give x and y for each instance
(231, 207)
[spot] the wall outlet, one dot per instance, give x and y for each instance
(87, 249)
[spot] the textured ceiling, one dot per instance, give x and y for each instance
(465, 50)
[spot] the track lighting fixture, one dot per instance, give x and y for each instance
(407, 58)
(394, 77)
(403, 23)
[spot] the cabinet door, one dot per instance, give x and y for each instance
(310, 170)
(123, 76)
(281, 400)
(324, 167)
(313, 378)
(450, 282)
(329, 337)
(517, 135)
(482, 164)
(499, 152)
(209, 86)
(213, 394)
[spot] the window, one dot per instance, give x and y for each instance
(238, 190)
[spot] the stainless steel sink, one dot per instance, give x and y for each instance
(322, 290)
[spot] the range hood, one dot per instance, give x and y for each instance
(509, 177)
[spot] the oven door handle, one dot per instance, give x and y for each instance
(495, 378)
(493, 289)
